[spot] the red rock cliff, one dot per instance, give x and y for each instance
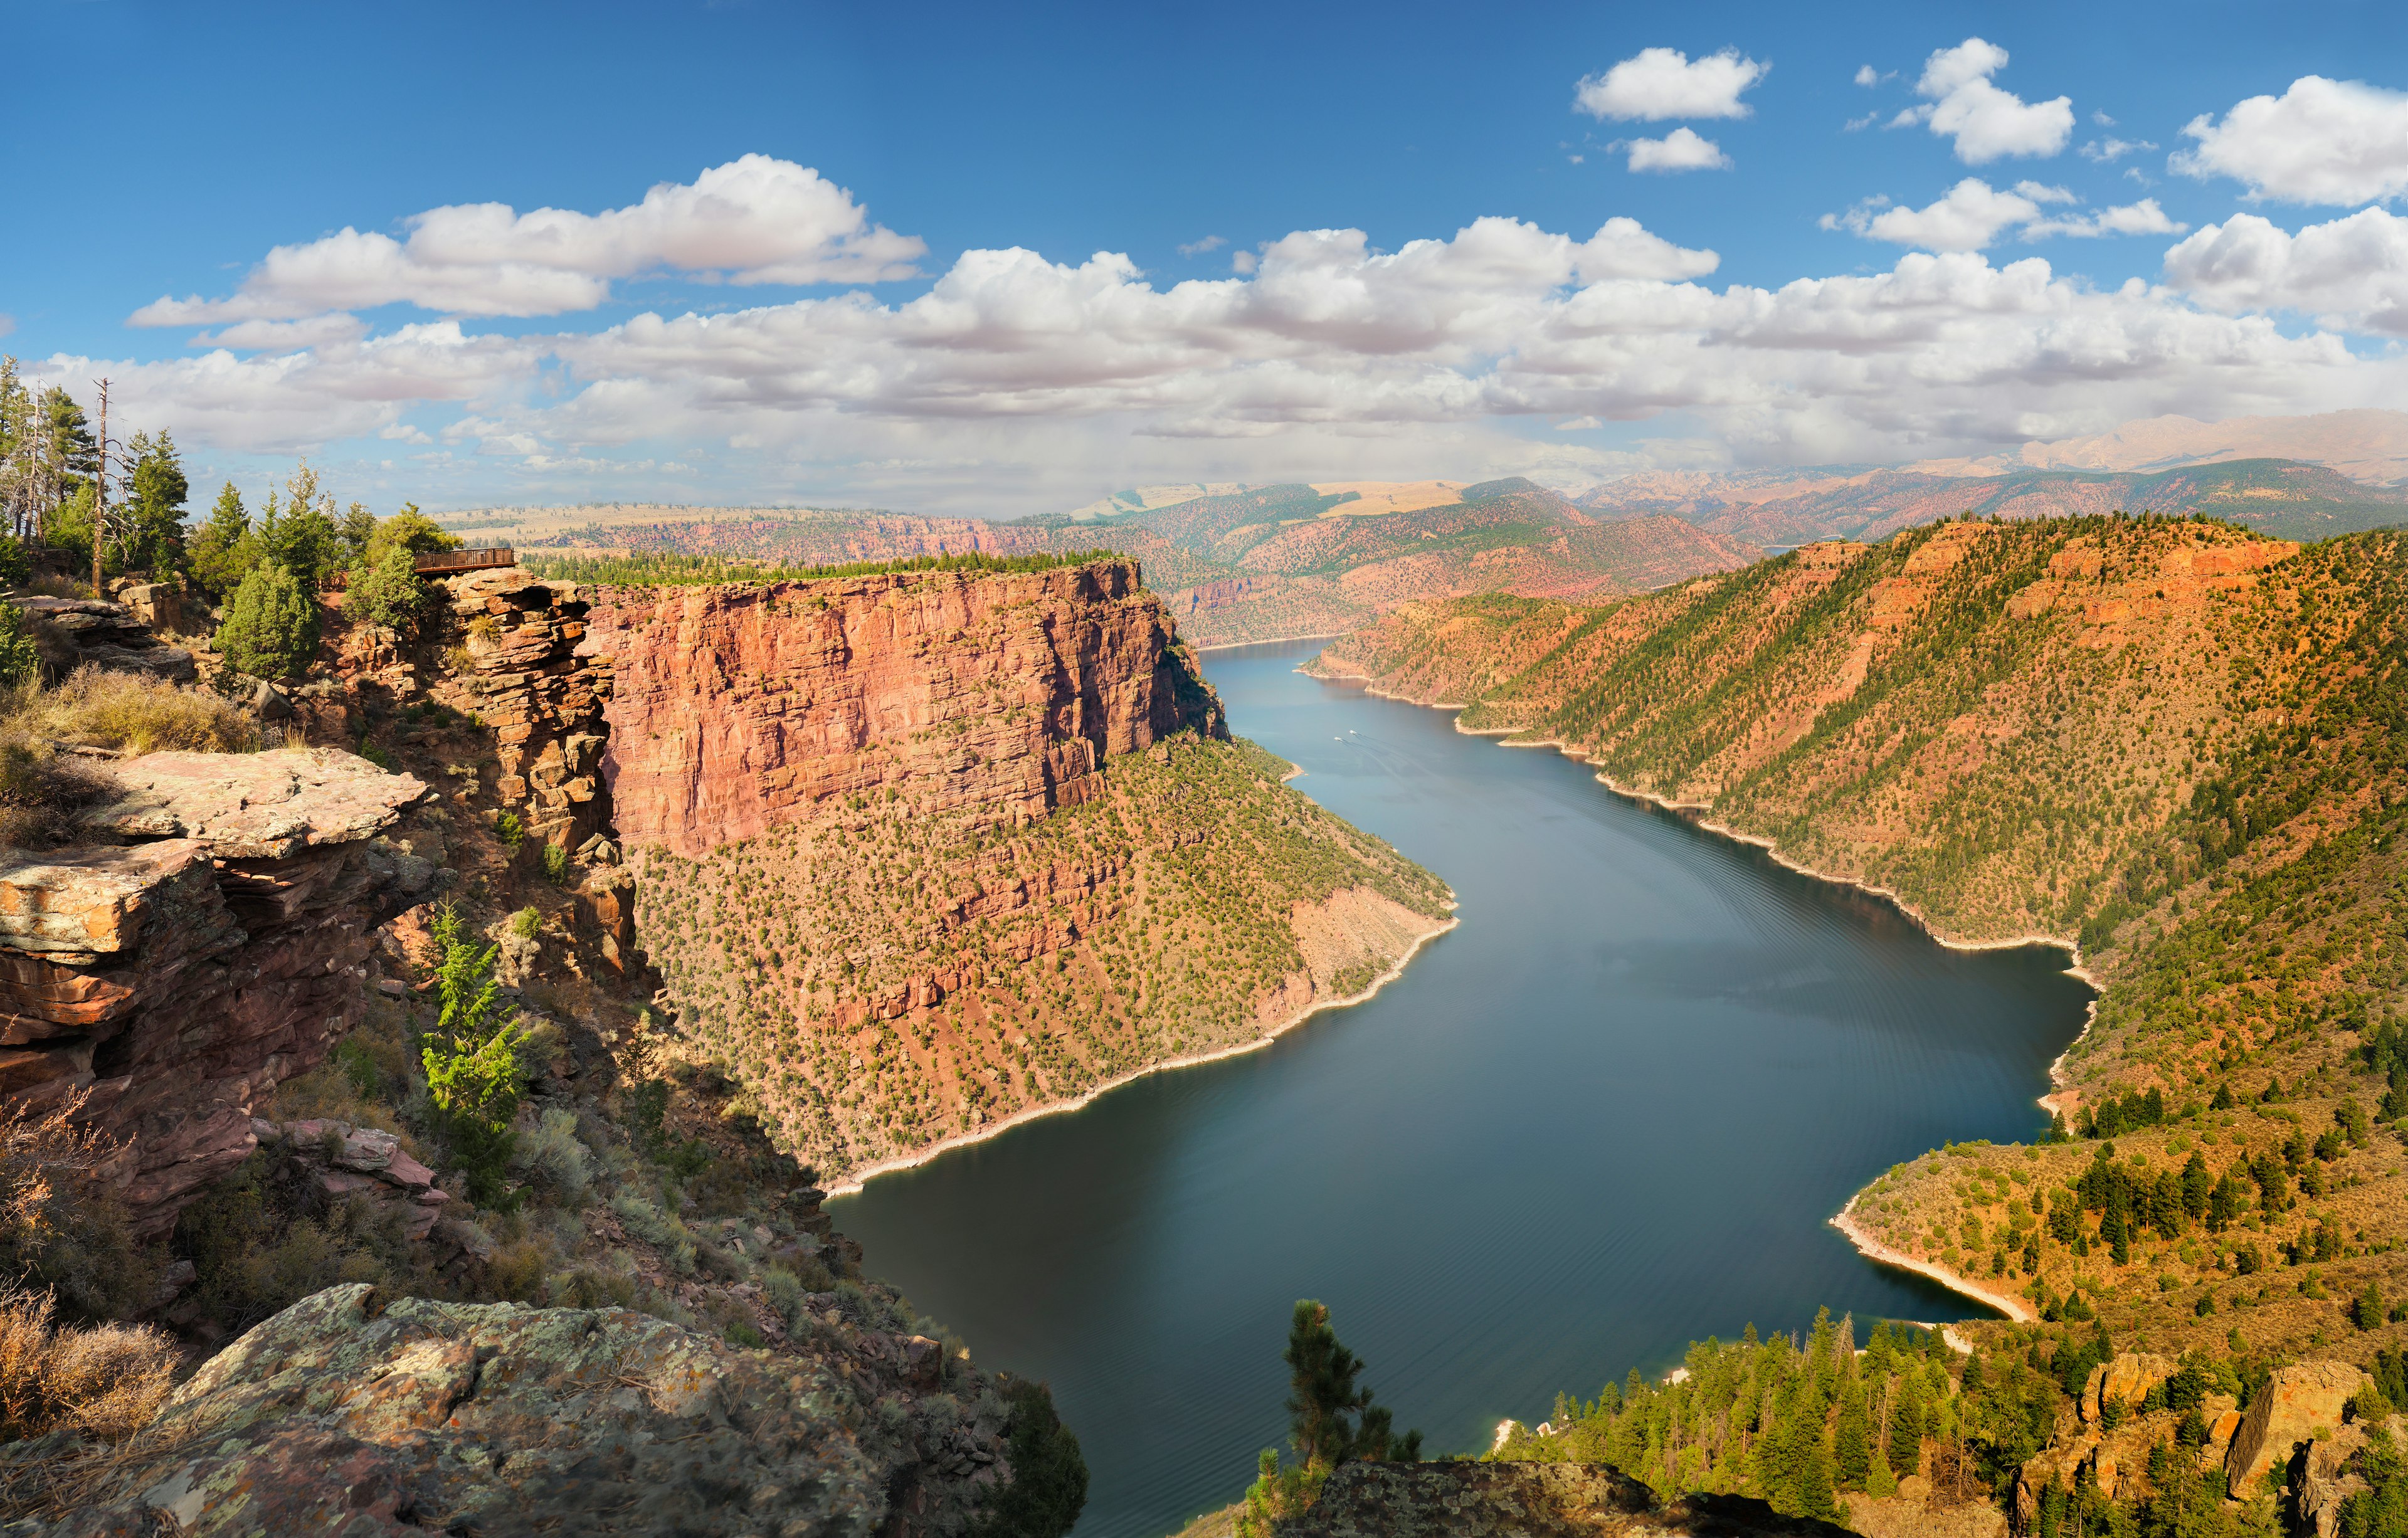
(735, 709)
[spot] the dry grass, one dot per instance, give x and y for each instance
(43, 791)
(105, 1382)
(134, 715)
(58, 586)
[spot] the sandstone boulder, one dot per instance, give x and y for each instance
(346, 1414)
(2291, 1408)
(2125, 1381)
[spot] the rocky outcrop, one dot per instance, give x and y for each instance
(1462, 1500)
(349, 1412)
(734, 710)
(170, 981)
(104, 635)
(2295, 1404)
(540, 694)
(2125, 1381)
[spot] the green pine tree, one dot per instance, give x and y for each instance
(388, 592)
(1906, 1427)
(150, 536)
(471, 1059)
(1852, 1445)
(271, 625)
(224, 549)
(20, 662)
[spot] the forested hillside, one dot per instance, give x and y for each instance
(2175, 742)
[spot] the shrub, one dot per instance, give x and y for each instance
(134, 714)
(471, 1059)
(271, 625)
(509, 830)
(58, 1229)
(20, 660)
(385, 590)
(105, 1383)
(555, 864)
(43, 791)
(1049, 1476)
(257, 1248)
(14, 567)
(554, 1157)
(525, 923)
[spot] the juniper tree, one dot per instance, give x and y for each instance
(471, 1058)
(271, 626)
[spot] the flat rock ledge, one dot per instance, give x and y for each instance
(1527, 1501)
(255, 806)
(340, 1416)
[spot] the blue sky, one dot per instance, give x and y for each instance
(798, 357)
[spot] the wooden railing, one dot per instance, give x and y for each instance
(446, 563)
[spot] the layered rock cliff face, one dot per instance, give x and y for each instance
(170, 979)
(915, 852)
(739, 708)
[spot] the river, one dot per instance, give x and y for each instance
(1610, 1113)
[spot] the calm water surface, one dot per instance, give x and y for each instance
(1609, 1114)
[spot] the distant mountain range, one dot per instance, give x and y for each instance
(1238, 561)
(1232, 565)
(1781, 508)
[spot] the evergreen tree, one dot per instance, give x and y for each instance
(358, 527)
(471, 1059)
(1906, 1427)
(68, 528)
(71, 440)
(387, 592)
(1813, 1495)
(1851, 1446)
(301, 535)
(225, 548)
(151, 536)
(271, 625)
(20, 662)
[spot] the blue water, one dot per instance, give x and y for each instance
(1609, 1114)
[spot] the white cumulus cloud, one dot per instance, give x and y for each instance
(1983, 120)
(1681, 149)
(1664, 82)
(2321, 141)
(756, 219)
(1974, 215)
(2351, 273)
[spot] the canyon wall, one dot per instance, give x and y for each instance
(739, 708)
(914, 852)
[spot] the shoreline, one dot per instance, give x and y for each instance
(1693, 813)
(1872, 1249)
(1269, 641)
(853, 1184)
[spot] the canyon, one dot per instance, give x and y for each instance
(2172, 743)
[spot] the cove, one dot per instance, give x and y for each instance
(1611, 1113)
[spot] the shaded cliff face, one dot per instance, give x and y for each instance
(173, 979)
(735, 709)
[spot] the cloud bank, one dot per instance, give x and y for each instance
(756, 219)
